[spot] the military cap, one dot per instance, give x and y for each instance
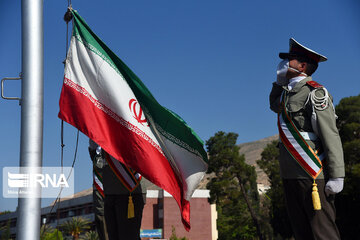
(298, 50)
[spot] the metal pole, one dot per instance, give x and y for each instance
(31, 144)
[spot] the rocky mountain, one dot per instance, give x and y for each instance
(252, 152)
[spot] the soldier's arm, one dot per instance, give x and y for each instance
(330, 138)
(274, 97)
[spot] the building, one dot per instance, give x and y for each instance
(161, 213)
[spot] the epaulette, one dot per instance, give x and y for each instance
(319, 101)
(314, 84)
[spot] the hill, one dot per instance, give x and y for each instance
(252, 152)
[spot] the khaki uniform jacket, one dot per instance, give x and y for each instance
(300, 111)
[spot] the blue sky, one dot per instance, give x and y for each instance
(211, 62)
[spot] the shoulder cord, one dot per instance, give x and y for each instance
(320, 103)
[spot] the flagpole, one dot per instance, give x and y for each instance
(31, 143)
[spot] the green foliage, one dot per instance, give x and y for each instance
(49, 233)
(44, 230)
(90, 235)
(75, 226)
(173, 235)
(269, 163)
(5, 212)
(348, 201)
(234, 184)
(55, 235)
(348, 111)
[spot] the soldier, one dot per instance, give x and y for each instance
(96, 156)
(119, 197)
(311, 155)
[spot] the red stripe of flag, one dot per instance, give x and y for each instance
(122, 143)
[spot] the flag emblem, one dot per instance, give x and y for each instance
(106, 101)
(137, 112)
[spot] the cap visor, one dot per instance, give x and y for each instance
(283, 55)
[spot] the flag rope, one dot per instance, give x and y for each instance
(67, 18)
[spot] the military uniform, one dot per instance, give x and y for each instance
(98, 195)
(111, 209)
(119, 226)
(321, 134)
(300, 108)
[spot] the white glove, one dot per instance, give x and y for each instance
(281, 73)
(334, 185)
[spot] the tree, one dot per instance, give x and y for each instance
(91, 235)
(5, 212)
(233, 189)
(348, 201)
(75, 226)
(49, 233)
(279, 219)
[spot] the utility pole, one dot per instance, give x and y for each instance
(32, 92)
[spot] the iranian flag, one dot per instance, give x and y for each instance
(106, 101)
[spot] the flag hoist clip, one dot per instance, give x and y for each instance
(2, 89)
(68, 15)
